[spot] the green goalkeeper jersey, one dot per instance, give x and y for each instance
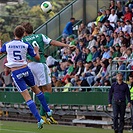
(40, 41)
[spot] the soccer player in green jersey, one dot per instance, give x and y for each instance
(39, 69)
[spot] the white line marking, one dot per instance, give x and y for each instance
(16, 131)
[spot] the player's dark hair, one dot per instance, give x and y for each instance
(28, 27)
(19, 31)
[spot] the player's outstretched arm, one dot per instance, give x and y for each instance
(57, 43)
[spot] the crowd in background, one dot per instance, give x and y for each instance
(100, 49)
(96, 53)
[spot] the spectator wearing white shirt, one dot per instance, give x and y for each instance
(92, 42)
(113, 18)
(106, 53)
(50, 61)
(123, 27)
(128, 26)
(116, 39)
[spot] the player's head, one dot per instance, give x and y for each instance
(19, 31)
(28, 27)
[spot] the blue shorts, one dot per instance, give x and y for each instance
(22, 78)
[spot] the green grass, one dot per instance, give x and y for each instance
(24, 127)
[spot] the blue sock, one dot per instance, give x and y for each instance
(33, 109)
(42, 100)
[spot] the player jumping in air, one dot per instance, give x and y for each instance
(41, 75)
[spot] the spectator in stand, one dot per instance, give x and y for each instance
(127, 38)
(129, 54)
(98, 65)
(115, 38)
(104, 17)
(99, 16)
(82, 30)
(68, 30)
(113, 18)
(119, 9)
(123, 27)
(83, 83)
(94, 52)
(65, 54)
(63, 40)
(6, 78)
(128, 26)
(92, 42)
(108, 28)
(67, 85)
(107, 83)
(101, 73)
(89, 55)
(88, 66)
(70, 54)
(56, 82)
(74, 78)
(101, 51)
(81, 44)
(98, 39)
(70, 67)
(106, 53)
(108, 75)
(84, 55)
(112, 5)
(95, 71)
(117, 50)
(122, 66)
(109, 42)
(72, 40)
(78, 55)
(79, 68)
(118, 26)
(123, 50)
(103, 40)
(127, 15)
(121, 33)
(107, 13)
(101, 27)
(96, 31)
(129, 3)
(55, 72)
(123, 41)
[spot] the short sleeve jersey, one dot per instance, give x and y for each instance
(16, 53)
(40, 41)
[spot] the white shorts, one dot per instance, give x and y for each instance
(41, 73)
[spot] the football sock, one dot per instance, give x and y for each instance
(42, 111)
(33, 109)
(42, 100)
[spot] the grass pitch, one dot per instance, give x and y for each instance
(24, 127)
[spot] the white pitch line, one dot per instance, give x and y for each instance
(17, 131)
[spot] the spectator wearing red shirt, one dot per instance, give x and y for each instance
(127, 15)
